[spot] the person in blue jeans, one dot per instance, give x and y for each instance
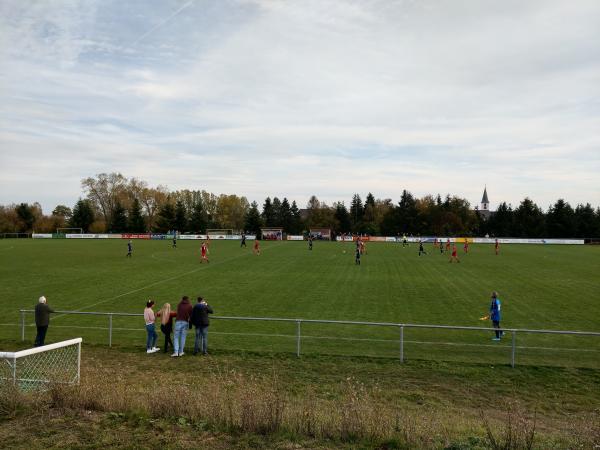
(182, 324)
(149, 319)
(200, 320)
(495, 315)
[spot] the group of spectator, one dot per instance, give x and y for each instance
(186, 316)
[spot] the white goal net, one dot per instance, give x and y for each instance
(40, 366)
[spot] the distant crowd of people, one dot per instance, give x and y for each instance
(186, 317)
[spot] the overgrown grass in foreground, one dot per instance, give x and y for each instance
(319, 402)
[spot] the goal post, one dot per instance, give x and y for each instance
(69, 230)
(39, 367)
(213, 232)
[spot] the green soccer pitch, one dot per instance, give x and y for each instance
(541, 287)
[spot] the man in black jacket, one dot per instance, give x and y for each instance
(42, 320)
(200, 320)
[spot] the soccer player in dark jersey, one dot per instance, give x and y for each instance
(243, 244)
(357, 256)
(310, 241)
(175, 240)
(441, 248)
(421, 249)
(129, 249)
(497, 247)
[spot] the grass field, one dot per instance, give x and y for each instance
(541, 287)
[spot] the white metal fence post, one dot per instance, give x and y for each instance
(401, 343)
(514, 348)
(78, 362)
(110, 326)
(298, 337)
(15, 370)
(22, 326)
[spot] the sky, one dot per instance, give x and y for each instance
(295, 98)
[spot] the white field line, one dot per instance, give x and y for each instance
(7, 248)
(175, 277)
(333, 338)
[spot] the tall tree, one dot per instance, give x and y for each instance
(501, 223)
(104, 191)
(356, 213)
(166, 218)
(62, 211)
(343, 218)
(268, 215)
(586, 222)
(118, 222)
(285, 215)
(136, 222)
(199, 217)
(181, 222)
(253, 221)
(83, 215)
(277, 219)
(26, 217)
(560, 220)
(297, 226)
(529, 220)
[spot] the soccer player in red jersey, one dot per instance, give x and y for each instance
(448, 244)
(256, 249)
(454, 256)
(497, 247)
(204, 252)
(466, 246)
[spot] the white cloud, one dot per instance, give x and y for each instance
(300, 98)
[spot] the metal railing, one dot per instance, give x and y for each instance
(399, 326)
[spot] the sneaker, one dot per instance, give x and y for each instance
(181, 354)
(155, 349)
(149, 350)
(495, 339)
(174, 355)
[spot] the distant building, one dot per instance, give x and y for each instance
(484, 207)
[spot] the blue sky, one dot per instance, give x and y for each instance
(298, 98)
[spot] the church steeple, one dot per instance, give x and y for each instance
(485, 203)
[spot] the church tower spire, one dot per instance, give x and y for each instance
(485, 203)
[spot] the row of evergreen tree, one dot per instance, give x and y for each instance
(425, 216)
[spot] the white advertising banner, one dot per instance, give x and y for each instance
(295, 238)
(41, 236)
